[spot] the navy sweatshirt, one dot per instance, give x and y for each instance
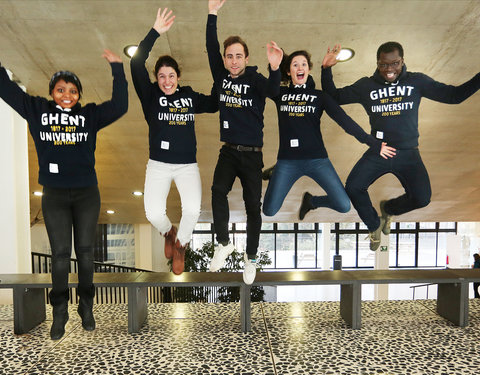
(242, 99)
(393, 107)
(65, 140)
(299, 111)
(170, 118)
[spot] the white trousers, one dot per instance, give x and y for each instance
(158, 180)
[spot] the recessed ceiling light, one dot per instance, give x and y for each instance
(345, 54)
(38, 193)
(110, 212)
(130, 50)
(138, 193)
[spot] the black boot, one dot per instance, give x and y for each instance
(306, 205)
(60, 318)
(85, 310)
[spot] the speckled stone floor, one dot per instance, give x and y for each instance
(397, 337)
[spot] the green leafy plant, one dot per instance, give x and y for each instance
(199, 260)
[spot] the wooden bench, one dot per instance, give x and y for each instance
(452, 296)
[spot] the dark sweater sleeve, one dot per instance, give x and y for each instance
(207, 103)
(213, 49)
(13, 95)
(345, 95)
(269, 87)
(449, 94)
(140, 77)
(350, 126)
(117, 106)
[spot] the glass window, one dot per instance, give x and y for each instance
(447, 225)
(240, 241)
(348, 245)
(407, 225)
(203, 226)
(320, 250)
(427, 225)
(442, 249)
(406, 250)
(267, 226)
(199, 239)
(427, 249)
(267, 245)
(347, 225)
(306, 226)
(306, 250)
(240, 226)
(392, 250)
(285, 250)
(366, 257)
(285, 226)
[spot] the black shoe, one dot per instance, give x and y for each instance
(60, 318)
(267, 173)
(85, 310)
(306, 205)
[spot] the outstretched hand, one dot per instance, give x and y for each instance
(274, 55)
(110, 56)
(164, 20)
(215, 5)
(330, 58)
(387, 151)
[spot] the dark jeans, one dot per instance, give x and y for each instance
(62, 210)
(321, 170)
(247, 166)
(407, 166)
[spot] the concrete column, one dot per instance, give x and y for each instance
(14, 196)
(381, 263)
(149, 249)
(326, 246)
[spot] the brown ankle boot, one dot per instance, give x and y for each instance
(178, 262)
(170, 241)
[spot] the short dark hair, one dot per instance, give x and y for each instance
(232, 40)
(166, 60)
(390, 47)
(476, 256)
(68, 77)
(287, 61)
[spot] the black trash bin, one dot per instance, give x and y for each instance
(337, 262)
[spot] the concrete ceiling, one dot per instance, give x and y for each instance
(441, 39)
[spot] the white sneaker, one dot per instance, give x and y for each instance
(221, 254)
(250, 270)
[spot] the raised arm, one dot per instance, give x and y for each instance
(117, 106)
(140, 77)
(207, 103)
(12, 94)
(351, 127)
(213, 47)
(449, 94)
(330, 58)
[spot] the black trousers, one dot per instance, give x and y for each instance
(64, 209)
(247, 166)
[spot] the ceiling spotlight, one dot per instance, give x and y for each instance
(345, 54)
(38, 193)
(137, 193)
(130, 50)
(110, 212)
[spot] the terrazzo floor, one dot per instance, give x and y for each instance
(397, 337)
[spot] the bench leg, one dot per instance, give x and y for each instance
(452, 303)
(137, 308)
(351, 304)
(28, 308)
(245, 308)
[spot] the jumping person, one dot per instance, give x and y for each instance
(391, 98)
(301, 148)
(169, 110)
(65, 135)
(242, 93)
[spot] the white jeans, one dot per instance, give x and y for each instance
(158, 180)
